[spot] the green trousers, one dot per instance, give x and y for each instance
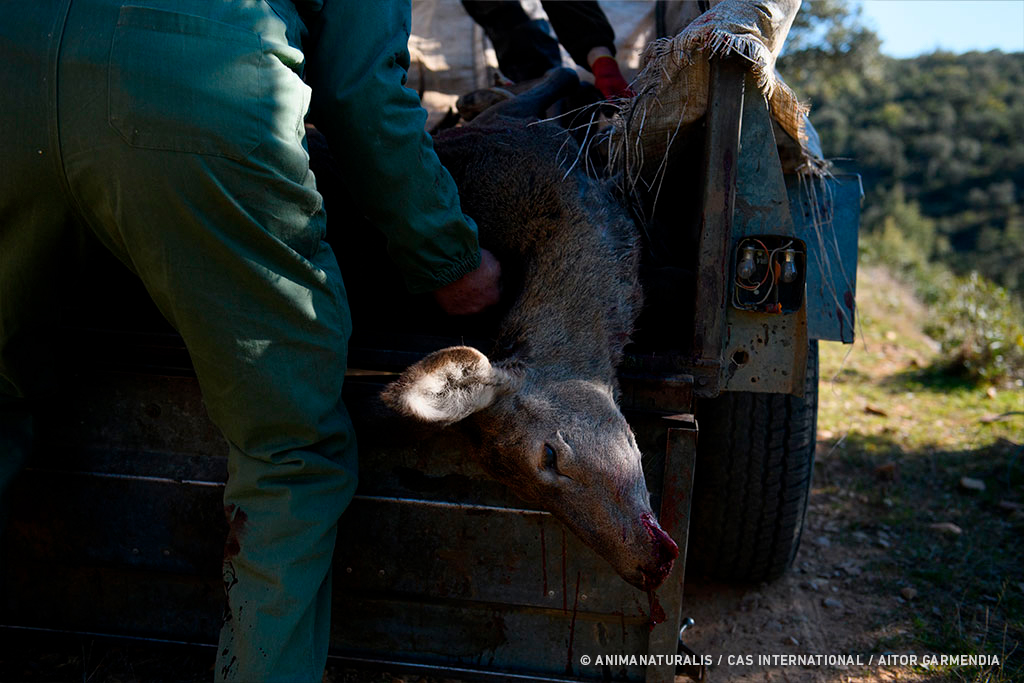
(176, 139)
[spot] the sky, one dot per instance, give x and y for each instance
(912, 27)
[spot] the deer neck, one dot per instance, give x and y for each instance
(563, 320)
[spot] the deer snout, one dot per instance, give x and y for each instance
(664, 552)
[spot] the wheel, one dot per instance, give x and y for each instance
(755, 457)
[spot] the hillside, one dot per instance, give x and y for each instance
(936, 138)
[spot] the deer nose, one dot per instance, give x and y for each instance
(667, 548)
(665, 552)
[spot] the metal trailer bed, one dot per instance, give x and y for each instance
(118, 526)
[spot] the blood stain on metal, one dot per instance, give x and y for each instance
(848, 299)
(657, 612)
(572, 626)
(544, 560)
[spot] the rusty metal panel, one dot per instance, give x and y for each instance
(764, 352)
(767, 353)
(416, 582)
(476, 553)
(762, 205)
(481, 638)
(826, 215)
(670, 364)
(674, 515)
(144, 523)
(111, 599)
(725, 108)
(657, 394)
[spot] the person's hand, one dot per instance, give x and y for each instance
(474, 291)
(608, 78)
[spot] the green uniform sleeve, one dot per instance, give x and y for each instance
(357, 61)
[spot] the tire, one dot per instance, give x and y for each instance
(755, 458)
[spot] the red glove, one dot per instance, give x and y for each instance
(608, 78)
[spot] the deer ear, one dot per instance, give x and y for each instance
(447, 386)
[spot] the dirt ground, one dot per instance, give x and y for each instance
(831, 603)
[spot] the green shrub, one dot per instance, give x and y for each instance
(979, 325)
(980, 329)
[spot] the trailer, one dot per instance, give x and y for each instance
(118, 527)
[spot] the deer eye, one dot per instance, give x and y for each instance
(550, 459)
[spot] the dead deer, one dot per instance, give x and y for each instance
(545, 400)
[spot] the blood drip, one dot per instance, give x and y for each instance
(657, 613)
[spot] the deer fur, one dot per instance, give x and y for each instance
(545, 400)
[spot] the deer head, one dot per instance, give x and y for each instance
(562, 444)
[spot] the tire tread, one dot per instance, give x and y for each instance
(755, 458)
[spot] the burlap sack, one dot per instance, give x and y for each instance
(672, 86)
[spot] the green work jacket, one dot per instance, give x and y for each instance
(357, 58)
